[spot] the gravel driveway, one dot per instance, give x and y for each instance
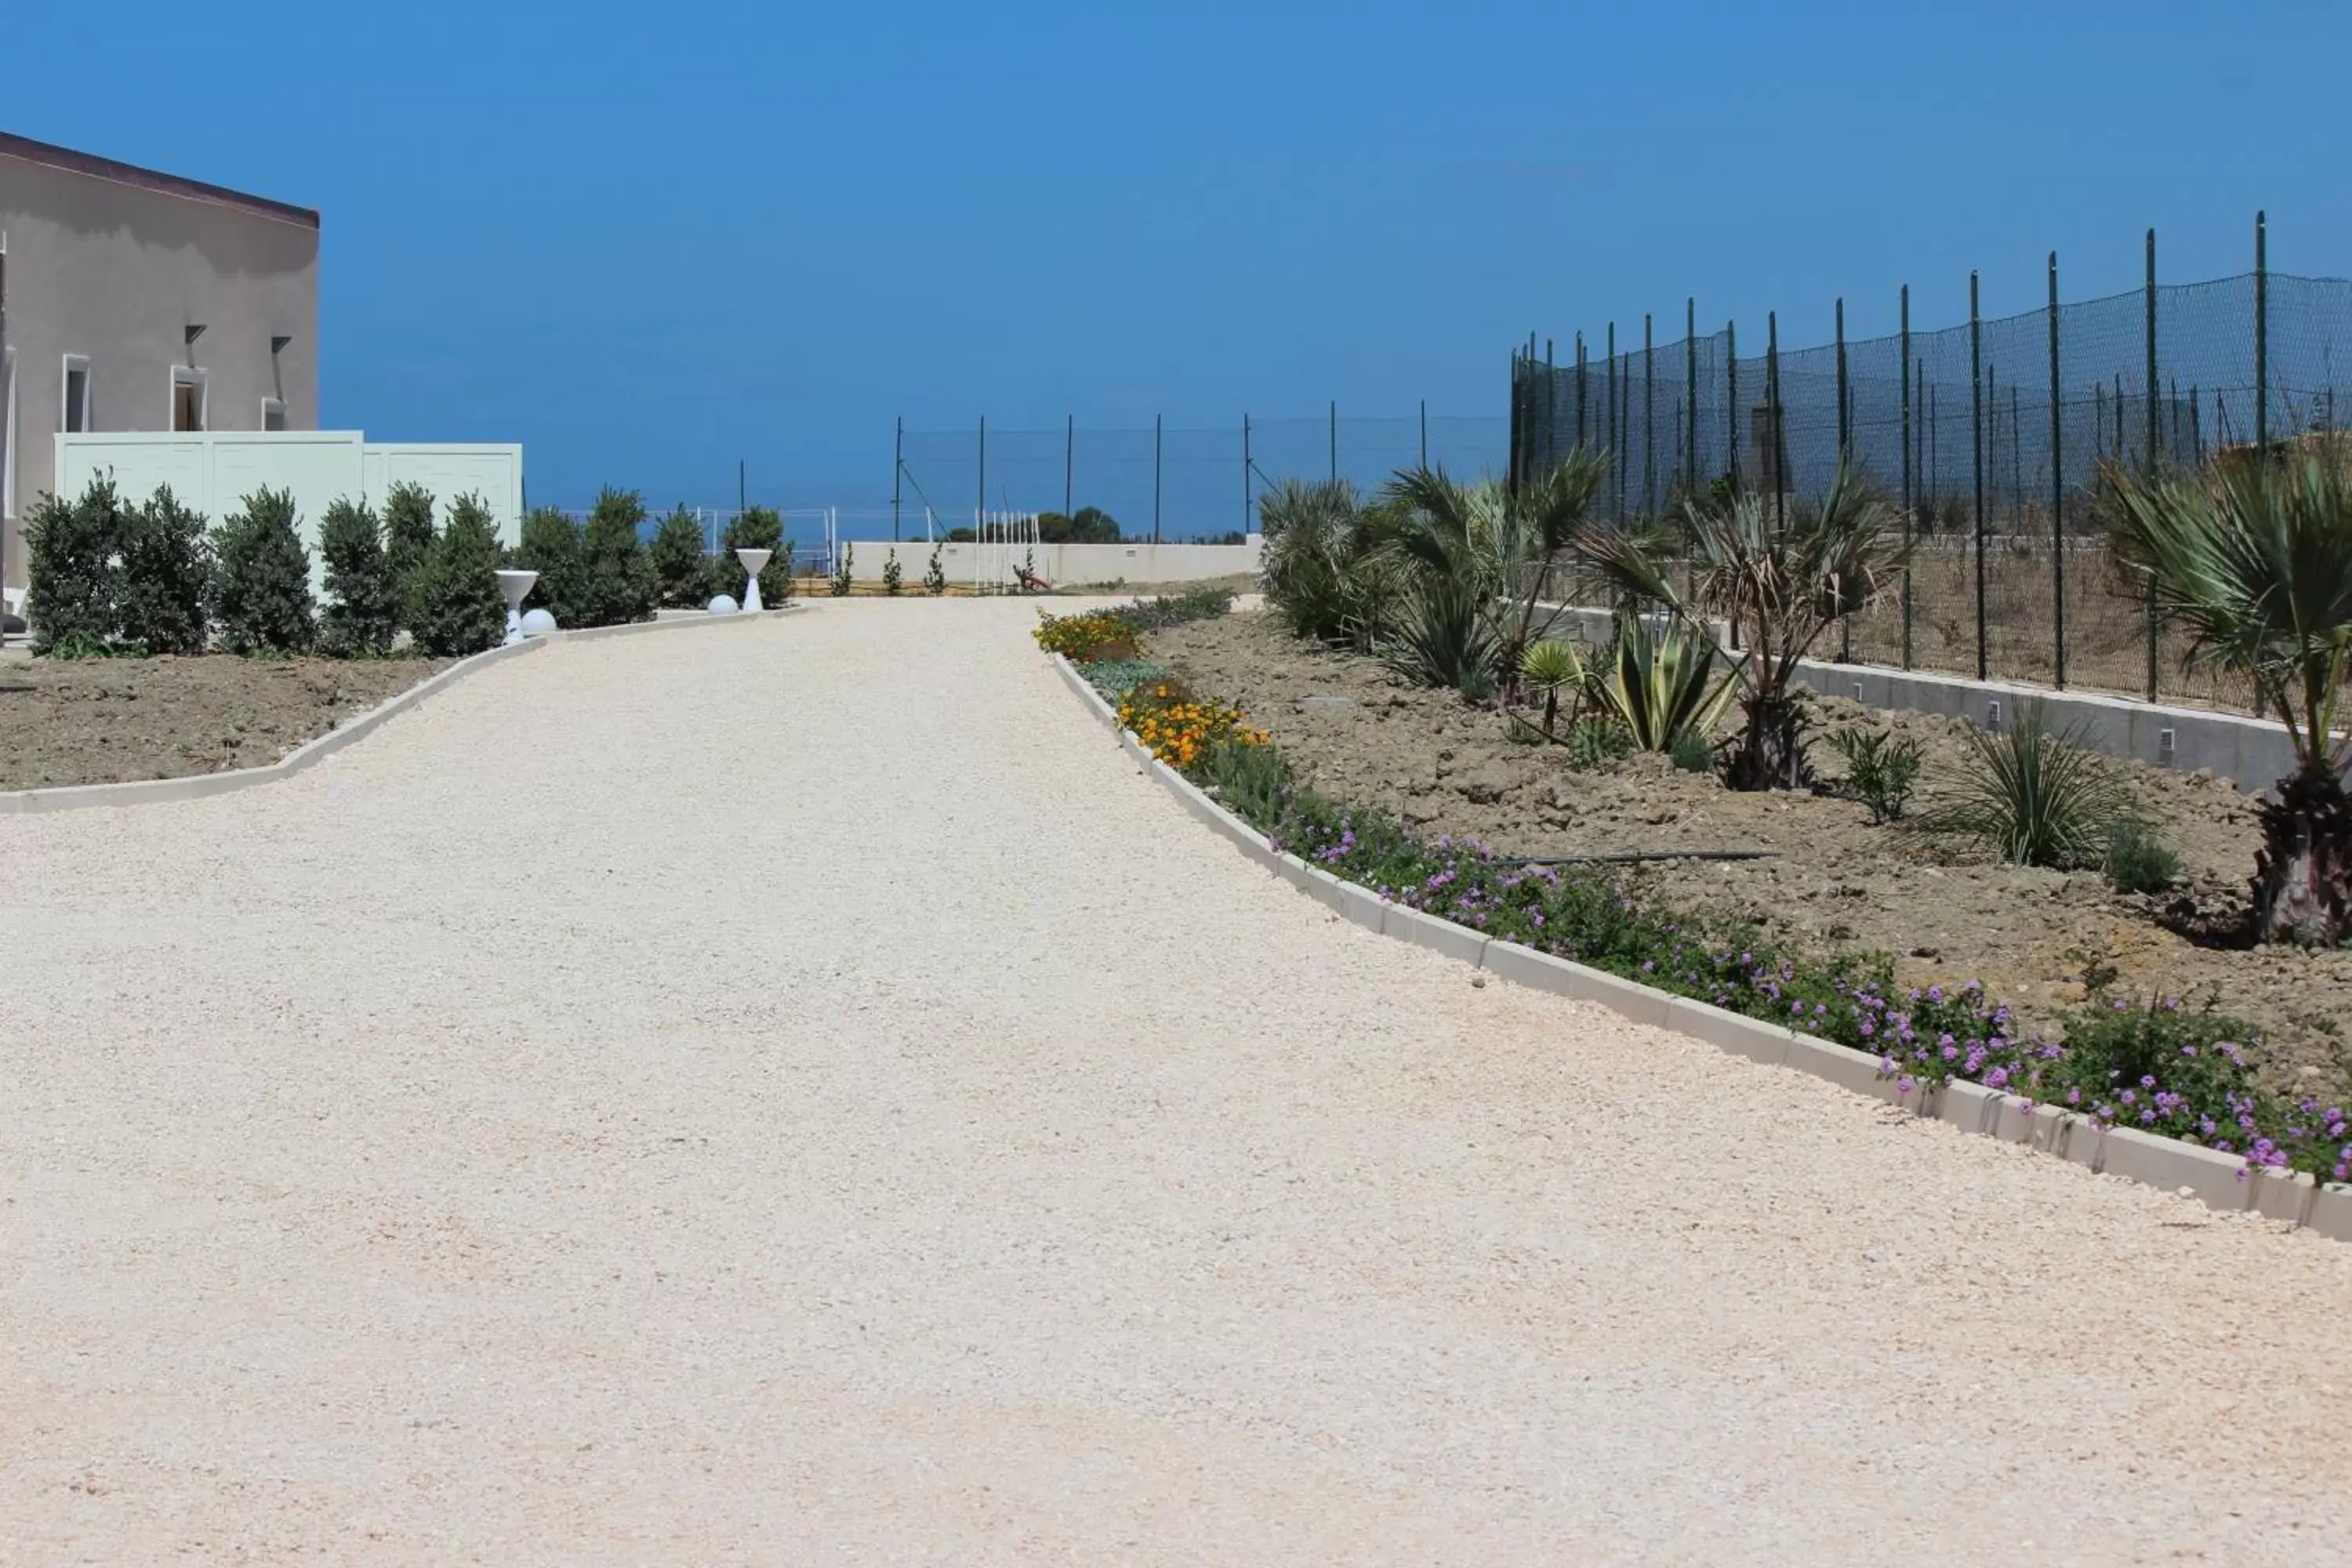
(791, 1093)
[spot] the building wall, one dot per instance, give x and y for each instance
(115, 264)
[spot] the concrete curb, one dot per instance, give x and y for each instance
(318, 749)
(2220, 1181)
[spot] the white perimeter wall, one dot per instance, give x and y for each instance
(1065, 564)
(213, 471)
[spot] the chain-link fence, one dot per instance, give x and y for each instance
(1176, 485)
(1991, 435)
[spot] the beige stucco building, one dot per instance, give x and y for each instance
(136, 300)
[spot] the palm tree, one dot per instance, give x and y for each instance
(2256, 561)
(1778, 584)
(1475, 559)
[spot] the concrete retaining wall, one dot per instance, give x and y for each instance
(2252, 752)
(1064, 565)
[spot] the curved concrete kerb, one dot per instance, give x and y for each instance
(2220, 1181)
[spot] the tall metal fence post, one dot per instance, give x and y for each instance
(1975, 422)
(1649, 421)
(1731, 391)
(1690, 396)
(1846, 443)
(898, 472)
(1424, 432)
(2057, 491)
(1155, 485)
(1551, 408)
(1246, 475)
(1069, 463)
(1910, 521)
(980, 507)
(2262, 339)
(1616, 508)
(1844, 392)
(2149, 459)
(1778, 448)
(1335, 441)
(1518, 426)
(1580, 389)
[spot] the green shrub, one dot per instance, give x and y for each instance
(262, 579)
(892, 578)
(2035, 798)
(841, 571)
(1880, 769)
(73, 568)
(549, 544)
(408, 533)
(1252, 779)
(164, 592)
(364, 605)
(756, 528)
(682, 570)
(2139, 859)
(1115, 678)
(1594, 742)
(935, 577)
(616, 580)
(1692, 752)
(454, 605)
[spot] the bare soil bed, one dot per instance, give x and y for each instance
(109, 720)
(1832, 879)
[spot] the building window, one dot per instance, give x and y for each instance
(273, 414)
(75, 416)
(187, 398)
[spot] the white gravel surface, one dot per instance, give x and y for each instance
(791, 1093)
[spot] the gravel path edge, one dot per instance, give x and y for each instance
(2219, 1181)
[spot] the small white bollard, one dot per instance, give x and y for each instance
(516, 586)
(754, 562)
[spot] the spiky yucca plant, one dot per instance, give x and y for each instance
(1779, 583)
(2035, 797)
(1661, 686)
(2255, 559)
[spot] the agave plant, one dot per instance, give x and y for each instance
(1779, 585)
(2035, 797)
(2256, 561)
(1662, 685)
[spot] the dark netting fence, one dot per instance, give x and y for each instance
(1181, 486)
(1991, 435)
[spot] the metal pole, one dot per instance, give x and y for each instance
(2262, 339)
(1245, 472)
(1690, 397)
(1614, 508)
(1976, 421)
(1580, 389)
(1731, 387)
(1551, 409)
(741, 505)
(1424, 432)
(897, 472)
(1649, 421)
(1772, 417)
(2058, 487)
(2154, 429)
(1519, 423)
(981, 508)
(1845, 403)
(1155, 486)
(1069, 463)
(1909, 522)
(1335, 441)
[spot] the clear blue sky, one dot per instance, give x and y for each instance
(647, 240)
